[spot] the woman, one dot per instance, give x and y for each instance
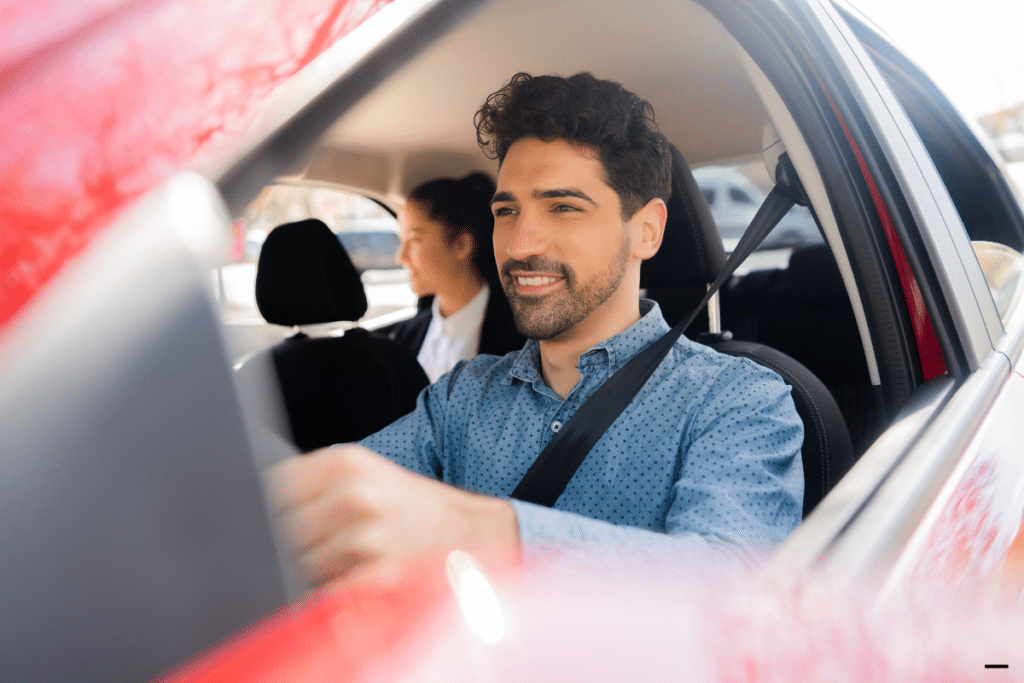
(445, 229)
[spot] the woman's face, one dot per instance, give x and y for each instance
(431, 262)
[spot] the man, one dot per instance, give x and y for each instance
(707, 451)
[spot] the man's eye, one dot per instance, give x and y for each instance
(503, 211)
(565, 207)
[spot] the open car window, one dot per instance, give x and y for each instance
(734, 193)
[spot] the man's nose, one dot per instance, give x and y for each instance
(528, 238)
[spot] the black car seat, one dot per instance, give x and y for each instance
(335, 389)
(692, 251)
(691, 256)
(808, 315)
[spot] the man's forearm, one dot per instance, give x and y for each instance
(545, 532)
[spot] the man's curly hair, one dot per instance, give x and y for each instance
(582, 109)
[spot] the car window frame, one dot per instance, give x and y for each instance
(869, 518)
(234, 183)
(925, 217)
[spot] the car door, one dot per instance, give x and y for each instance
(940, 356)
(964, 470)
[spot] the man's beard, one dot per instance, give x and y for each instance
(550, 315)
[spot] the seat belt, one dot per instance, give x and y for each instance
(550, 473)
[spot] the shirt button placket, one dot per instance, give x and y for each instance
(554, 422)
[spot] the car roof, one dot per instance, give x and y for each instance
(418, 123)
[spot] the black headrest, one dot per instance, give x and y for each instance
(304, 277)
(691, 251)
(813, 275)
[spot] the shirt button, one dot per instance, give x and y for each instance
(556, 425)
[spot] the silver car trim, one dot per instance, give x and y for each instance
(963, 284)
(810, 178)
(926, 550)
(876, 536)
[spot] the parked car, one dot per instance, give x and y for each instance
(134, 527)
(368, 249)
(371, 249)
(734, 200)
(367, 230)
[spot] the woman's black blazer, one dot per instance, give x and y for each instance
(498, 335)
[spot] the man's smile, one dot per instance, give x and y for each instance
(534, 283)
(534, 277)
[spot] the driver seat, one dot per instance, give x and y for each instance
(690, 258)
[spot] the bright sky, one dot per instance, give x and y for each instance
(973, 49)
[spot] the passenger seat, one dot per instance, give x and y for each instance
(335, 389)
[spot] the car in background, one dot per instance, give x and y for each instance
(734, 200)
(371, 249)
(135, 530)
(367, 229)
(368, 249)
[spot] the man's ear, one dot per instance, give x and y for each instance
(649, 223)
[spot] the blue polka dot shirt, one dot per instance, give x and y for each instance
(704, 460)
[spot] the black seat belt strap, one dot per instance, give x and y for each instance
(550, 473)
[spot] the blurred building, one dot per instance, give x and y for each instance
(1006, 128)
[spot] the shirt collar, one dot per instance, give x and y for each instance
(464, 322)
(615, 351)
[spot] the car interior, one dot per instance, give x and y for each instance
(835, 308)
(417, 125)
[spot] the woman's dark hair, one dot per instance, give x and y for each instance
(583, 109)
(463, 205)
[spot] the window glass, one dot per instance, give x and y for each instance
(734, 198)
(1004, 273)
(366, 229)
(739, 196)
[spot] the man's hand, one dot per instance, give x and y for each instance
(346, 507)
